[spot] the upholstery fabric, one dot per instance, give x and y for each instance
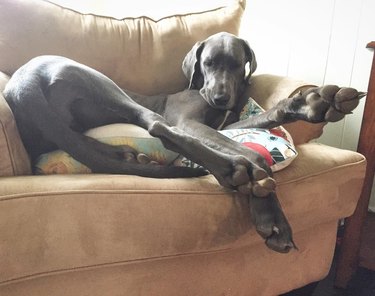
(13, 157)
(95, 234)
(133, 51)
(68, 224)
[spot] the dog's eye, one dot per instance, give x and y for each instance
(234, 66)
(208, 62)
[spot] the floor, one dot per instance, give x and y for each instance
(363, 281)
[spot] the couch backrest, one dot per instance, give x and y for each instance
(139, 54)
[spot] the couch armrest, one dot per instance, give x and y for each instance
(14, 159)
(267, 90)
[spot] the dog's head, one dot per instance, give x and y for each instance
(217, 67)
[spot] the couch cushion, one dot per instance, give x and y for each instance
(13, 157)
(139, 54)
(62, 223)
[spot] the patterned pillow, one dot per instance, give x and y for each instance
(60, 162)
(276, 145)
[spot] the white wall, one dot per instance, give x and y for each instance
(320, 41)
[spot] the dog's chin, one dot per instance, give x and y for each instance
(213, 104)
(216, 106)
(220, 107)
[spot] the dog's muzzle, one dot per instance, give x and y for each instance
(221, 99)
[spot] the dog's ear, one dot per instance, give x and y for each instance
(191, 66)
(250, 56)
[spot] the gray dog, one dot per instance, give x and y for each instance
(55, 100)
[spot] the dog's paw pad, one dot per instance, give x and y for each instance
(341, 101)
(332, 115)
(259, 173)
(347, 99)
(328, 92)
(240, 175)
(330, 103)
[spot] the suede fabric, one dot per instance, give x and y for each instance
(246, 271)
(62, 224)
(13, 157)
(132, 51)
(128, 235)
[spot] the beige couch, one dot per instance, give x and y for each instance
(128, 235)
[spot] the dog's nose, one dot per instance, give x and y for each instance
(221, 99)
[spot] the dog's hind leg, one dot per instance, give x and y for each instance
(95, 154)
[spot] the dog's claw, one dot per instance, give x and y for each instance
(274, 243)
(259, 174)
(263, 187)
(129, 157)
(143, 158)
(276, 230)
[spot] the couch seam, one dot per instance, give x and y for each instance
(115, 263)
(144, 16)
(88, 191)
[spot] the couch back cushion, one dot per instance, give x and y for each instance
(13, 157)
(138, 53)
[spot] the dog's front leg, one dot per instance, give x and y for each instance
(235, 167)
(271, 223)
(328, 103)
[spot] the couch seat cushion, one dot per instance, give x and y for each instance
(63, 222)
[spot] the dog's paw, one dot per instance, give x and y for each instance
(130, 155)
(246, 177)
(271, 223)
(330, 103)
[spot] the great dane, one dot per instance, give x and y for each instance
(55, 100)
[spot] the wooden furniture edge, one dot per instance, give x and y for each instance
(348, 257)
